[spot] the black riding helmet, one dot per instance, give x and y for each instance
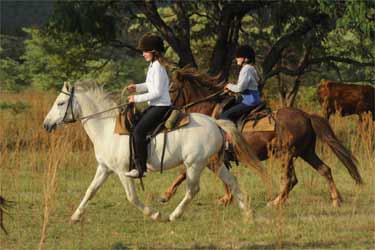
(245, 51)
(151, 42)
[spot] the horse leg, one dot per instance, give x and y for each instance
(215, 167)
(288, 181)
(324, 171)
(131, 195)
(227, 197)
(233, 188)
(173, 187)
(193, 174)
(102, 173)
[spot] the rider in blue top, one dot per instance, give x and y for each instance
(247, 84)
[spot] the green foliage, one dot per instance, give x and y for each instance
(16, 107)
(308, 97)
(348, 43)
(83, 17)
(353, 14)
(75, 45)
(51, 60)
(11, 75)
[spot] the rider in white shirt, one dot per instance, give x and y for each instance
(157, 96)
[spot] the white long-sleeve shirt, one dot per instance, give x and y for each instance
(248, 79)
(156, 85)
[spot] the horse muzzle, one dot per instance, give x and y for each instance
(49, 127)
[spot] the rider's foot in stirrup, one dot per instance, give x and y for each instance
(134, 173)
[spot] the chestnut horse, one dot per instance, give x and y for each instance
(294, 136)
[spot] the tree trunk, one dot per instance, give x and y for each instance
(225, 46)
(181, 42)
(230, 20)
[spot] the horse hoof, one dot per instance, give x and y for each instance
(336, 203)
(163, 199)
(173, 217)
(156, 216)
(270, 204)
(73, 220)
(249, 217)
(273, 203)
(225, 201)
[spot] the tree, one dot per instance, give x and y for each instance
(291, 38)
(51, 60)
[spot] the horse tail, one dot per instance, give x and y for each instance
(324, 132)
(242, 149)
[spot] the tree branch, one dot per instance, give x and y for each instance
(181, 45)
(227, 33)
(327, 59)
(275, 53)
(343, 60)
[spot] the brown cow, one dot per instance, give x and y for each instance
(347, 99)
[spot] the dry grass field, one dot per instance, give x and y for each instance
(46, 175)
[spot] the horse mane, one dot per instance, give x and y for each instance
(105, 99)
(193, 81)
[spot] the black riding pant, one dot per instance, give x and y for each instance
(150, 119)
(235, 112)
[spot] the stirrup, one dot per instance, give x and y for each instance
(134, 173)
(230, 154)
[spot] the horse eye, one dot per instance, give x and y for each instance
(61, 103)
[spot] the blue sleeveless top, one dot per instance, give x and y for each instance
(250, 97)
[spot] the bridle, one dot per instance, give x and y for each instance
(70, 105)
(180, 91)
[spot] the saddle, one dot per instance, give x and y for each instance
(261, 118)
(260, 124)
(128, 118)
(174, 119)
(258, 119)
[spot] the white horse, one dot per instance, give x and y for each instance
(192, 145)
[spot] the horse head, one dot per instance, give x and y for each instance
(64, 109)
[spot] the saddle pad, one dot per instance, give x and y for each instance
(264, 124)
(183, 120)
(120, 125)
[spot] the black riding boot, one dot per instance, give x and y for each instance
(139, 171)
(141, 167)
(229, 155)
(149, 120)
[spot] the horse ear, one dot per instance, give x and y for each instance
(67, 86)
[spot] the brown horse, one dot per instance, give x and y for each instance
(294, 136)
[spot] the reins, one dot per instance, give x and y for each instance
(104, 111)
(70, 103)
(91, 115)
(207, 98)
